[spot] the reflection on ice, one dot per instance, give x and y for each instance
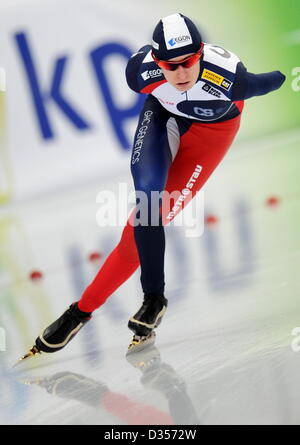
(156, 375)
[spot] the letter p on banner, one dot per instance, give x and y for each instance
(2, 340)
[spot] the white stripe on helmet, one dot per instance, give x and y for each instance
(176, 32)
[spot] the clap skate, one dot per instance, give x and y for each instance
(58, 334)
(144, 322)
(140, 342)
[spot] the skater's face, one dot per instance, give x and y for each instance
(180, 77)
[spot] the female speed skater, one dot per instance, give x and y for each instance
(191, 115)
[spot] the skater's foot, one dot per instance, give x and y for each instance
(58, 334)
(148, 316)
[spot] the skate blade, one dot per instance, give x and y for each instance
(140, 343)
(31, 353)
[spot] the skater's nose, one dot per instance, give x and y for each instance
(181, 73)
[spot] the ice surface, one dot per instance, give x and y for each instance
(224, 351)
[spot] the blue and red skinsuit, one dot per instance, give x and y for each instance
(180, 135)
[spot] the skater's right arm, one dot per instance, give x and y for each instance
(142, 73)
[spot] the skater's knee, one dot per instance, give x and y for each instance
(148, 207)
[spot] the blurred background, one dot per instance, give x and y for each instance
(67, 119)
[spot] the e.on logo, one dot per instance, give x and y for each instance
(2, 340)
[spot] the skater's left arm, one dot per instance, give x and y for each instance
(247, 84)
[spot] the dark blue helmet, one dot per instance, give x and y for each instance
(174, 36)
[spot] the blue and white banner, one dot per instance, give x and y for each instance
(70, 114)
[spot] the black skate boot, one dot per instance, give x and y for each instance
(145, 321)
(60, 332)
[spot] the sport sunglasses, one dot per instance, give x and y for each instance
(185, 63)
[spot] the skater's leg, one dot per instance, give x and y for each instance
(150, 161)
(202, 147)
(149, 171)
